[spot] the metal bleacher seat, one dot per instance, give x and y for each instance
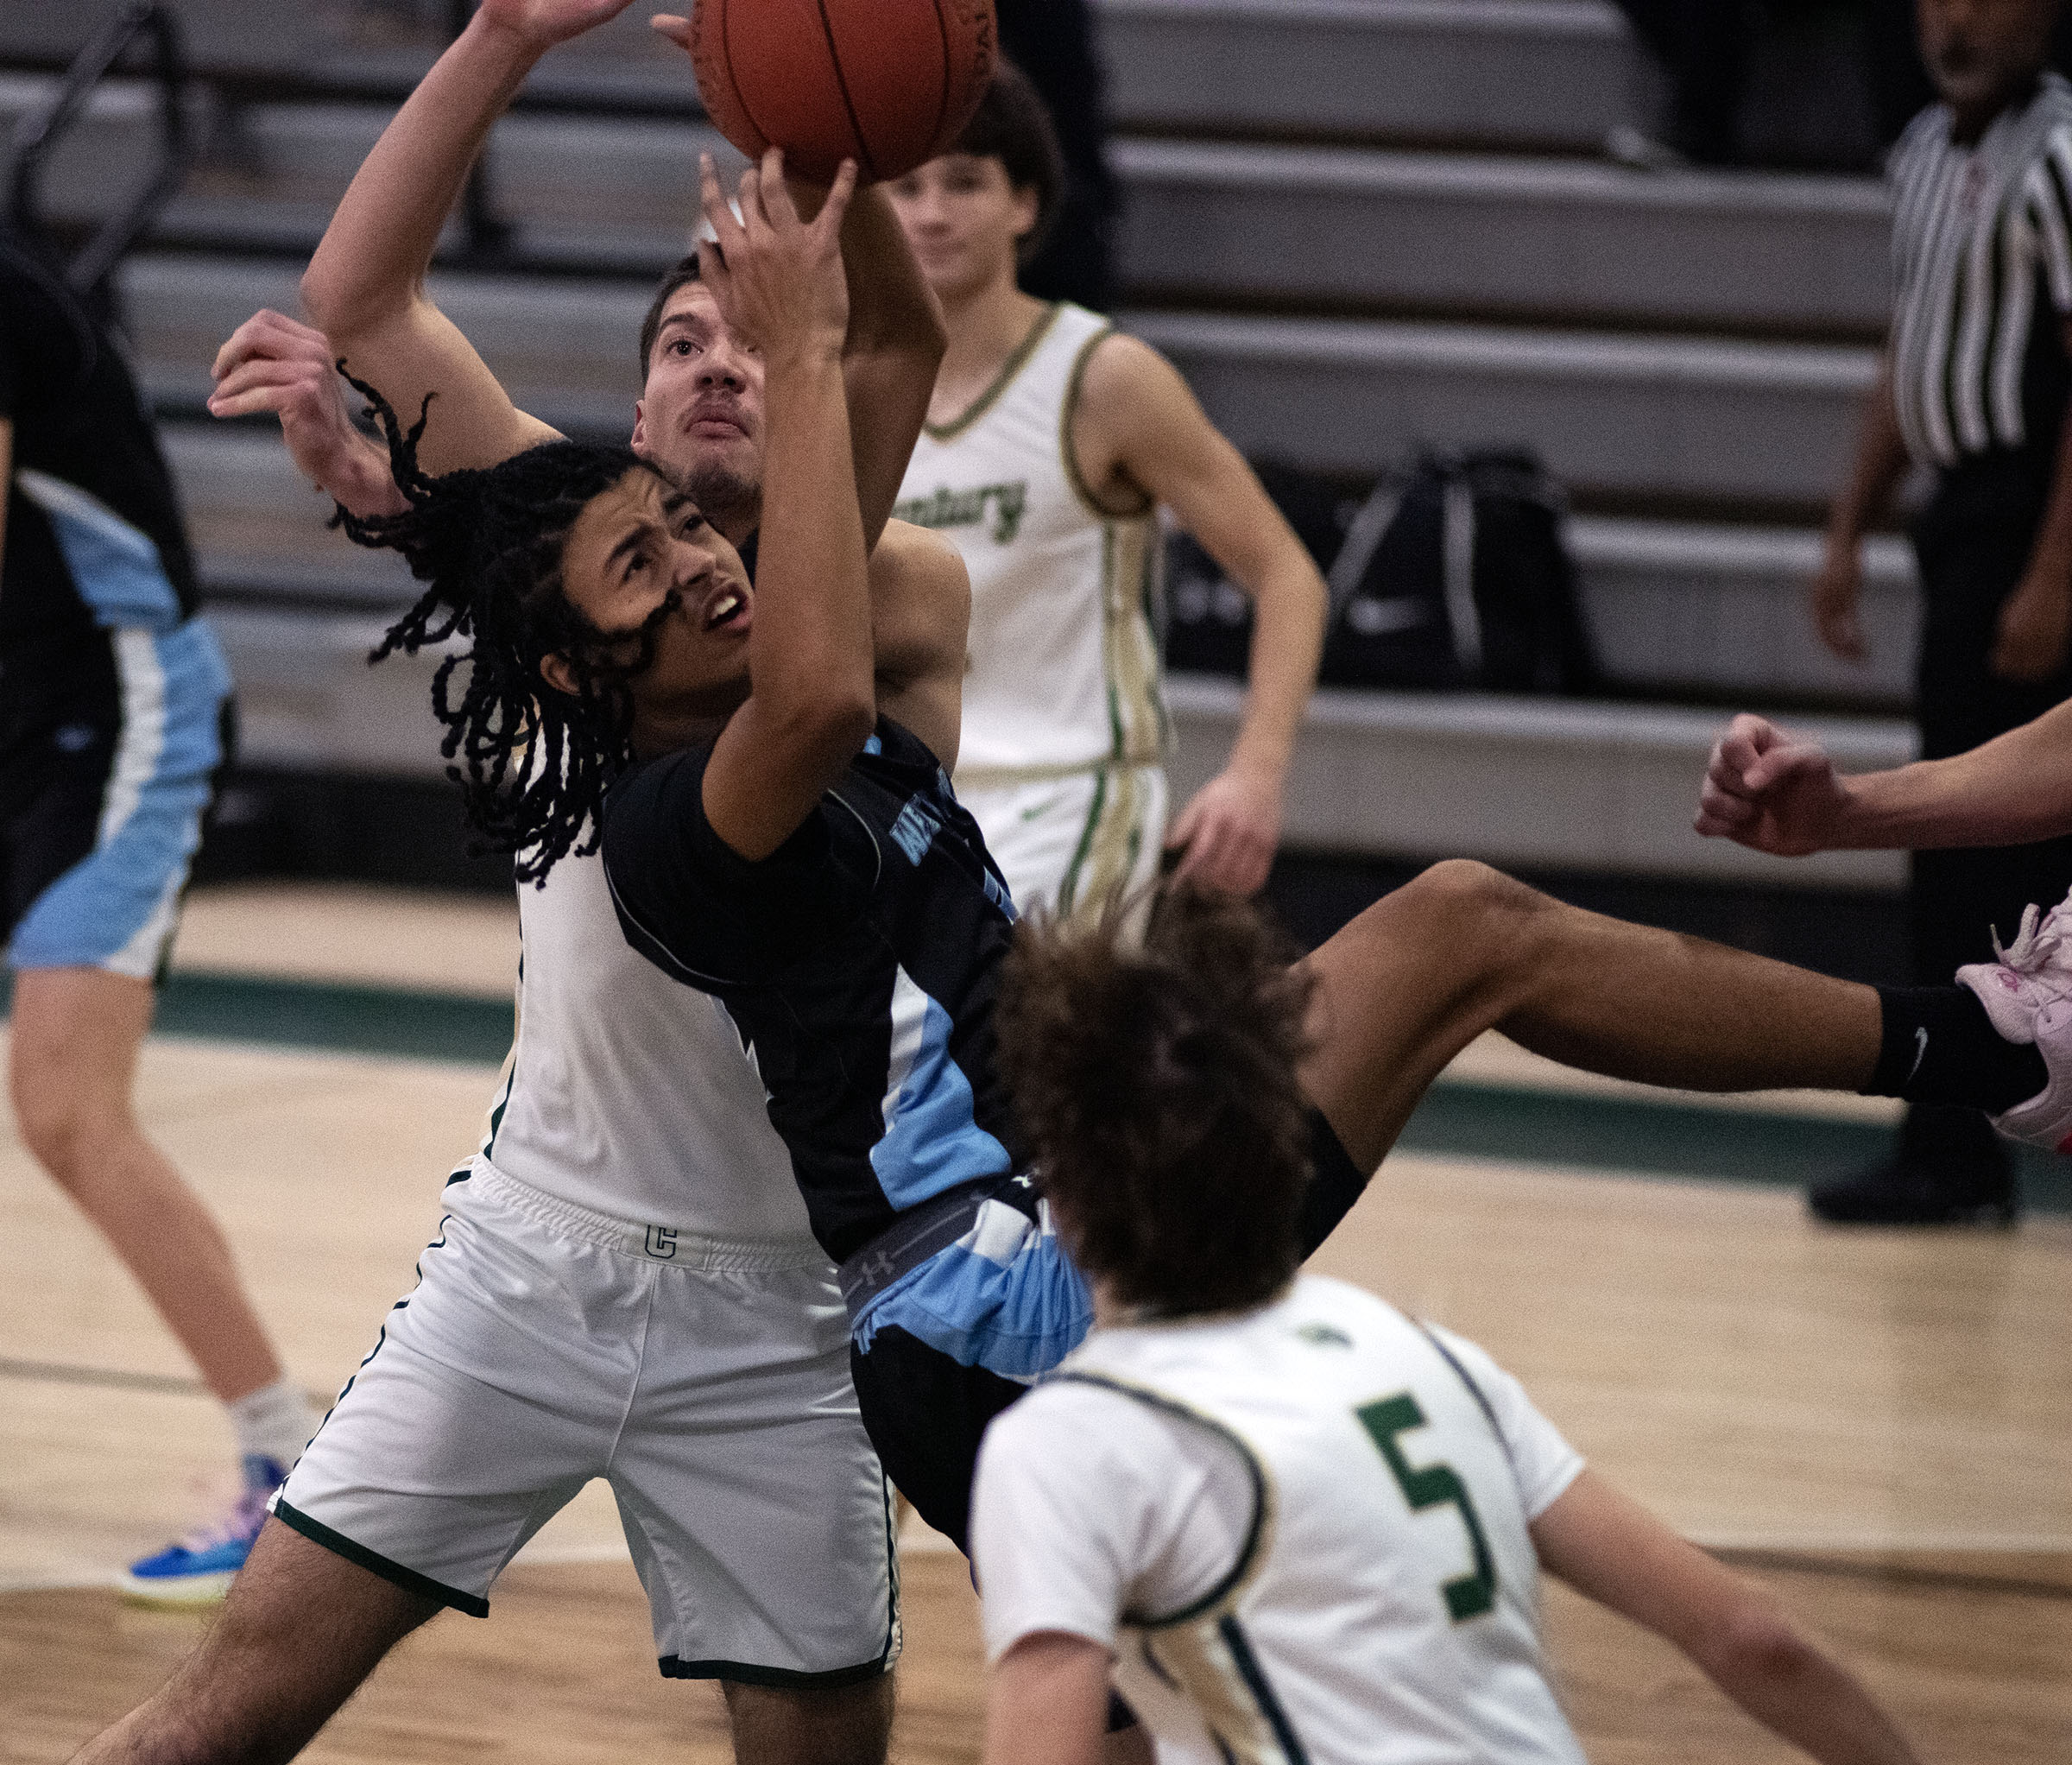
(1357, 225)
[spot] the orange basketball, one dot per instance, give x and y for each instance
(887, 82)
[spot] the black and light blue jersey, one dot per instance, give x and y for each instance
(859, 960)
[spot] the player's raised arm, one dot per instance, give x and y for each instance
(365, 286)
(811, 702)
(894, 348)
(1781, 793)
(1613, 1550)
(1139, 429)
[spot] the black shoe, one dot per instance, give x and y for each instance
(1900, 1191)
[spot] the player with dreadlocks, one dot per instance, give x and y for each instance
(783, 837)
(630, 1171)
(500, 531)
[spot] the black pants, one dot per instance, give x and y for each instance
(1972, 545)
(926, 1413)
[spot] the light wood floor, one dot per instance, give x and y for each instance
(1880, 1425)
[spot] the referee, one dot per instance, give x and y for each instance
(1975, 384)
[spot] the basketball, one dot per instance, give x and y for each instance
(887, 83)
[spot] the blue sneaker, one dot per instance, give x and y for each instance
(198, 1569)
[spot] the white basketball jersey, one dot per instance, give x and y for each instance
(1063, 668)
(627, 1092)
(1377, 1596)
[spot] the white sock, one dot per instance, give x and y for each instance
(274, 1422)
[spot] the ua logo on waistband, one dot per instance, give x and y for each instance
(661, 1242)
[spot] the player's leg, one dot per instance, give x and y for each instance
(76, 1031)
(303, 1628)
(105, 815)
(756, 1510)
(773, 1726)
(1462, 949)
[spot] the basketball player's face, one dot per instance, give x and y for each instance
(631, 547)
(1981, 52)
(699, 417)
(964, 220)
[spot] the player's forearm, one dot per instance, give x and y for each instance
(374, 255)
(357, 476)
(812, 657)
(1879, 460)
(891, 354)
(1287, 643)
(2011, 790)
(1788, 1684)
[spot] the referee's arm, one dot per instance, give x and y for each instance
(1881, 457)
(2035, 620)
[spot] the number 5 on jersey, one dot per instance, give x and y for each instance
(1433, 1486)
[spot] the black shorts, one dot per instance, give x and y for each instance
(104, 780)
(54, 762)
(926, 1411)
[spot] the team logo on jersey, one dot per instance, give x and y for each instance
(662, 1244)
(915, 829)
(948, 508)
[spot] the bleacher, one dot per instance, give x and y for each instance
(1357, 226)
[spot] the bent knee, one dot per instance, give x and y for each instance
(58, 1130)
(1462, 895)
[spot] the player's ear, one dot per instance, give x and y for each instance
(639, 441)
(1028, 204)
(556, 672)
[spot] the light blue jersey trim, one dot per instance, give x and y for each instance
(115, 908)
(932, 1140)
(115, 565)
(1004, 1297)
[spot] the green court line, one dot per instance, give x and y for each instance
(1472, 1120)
(417, 1025)
(1458, 1120)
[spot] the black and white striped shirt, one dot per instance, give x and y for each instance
(1981, 241)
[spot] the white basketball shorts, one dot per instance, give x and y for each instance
(706, 1382)
(1063, 843)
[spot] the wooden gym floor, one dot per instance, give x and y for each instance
(1878, 1425)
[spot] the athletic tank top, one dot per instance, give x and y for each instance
(626, 1093)
(860, 959)
(1385, 1606)
(1064, 669)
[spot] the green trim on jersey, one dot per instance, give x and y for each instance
(1018, 358)
(1257, 1535)
(1068, 407)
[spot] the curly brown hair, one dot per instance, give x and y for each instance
(1156, 1084)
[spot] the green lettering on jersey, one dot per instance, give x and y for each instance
(946, 508)
(1433, 1486)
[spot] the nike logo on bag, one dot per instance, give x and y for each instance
(1920, 1052)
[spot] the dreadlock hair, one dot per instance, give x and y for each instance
(1156, 1087)
(533, 762)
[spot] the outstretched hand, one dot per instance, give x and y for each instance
(1768, 791)
(777, 279)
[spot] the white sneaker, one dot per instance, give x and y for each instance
(2046, 1118)
(2033, 973)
